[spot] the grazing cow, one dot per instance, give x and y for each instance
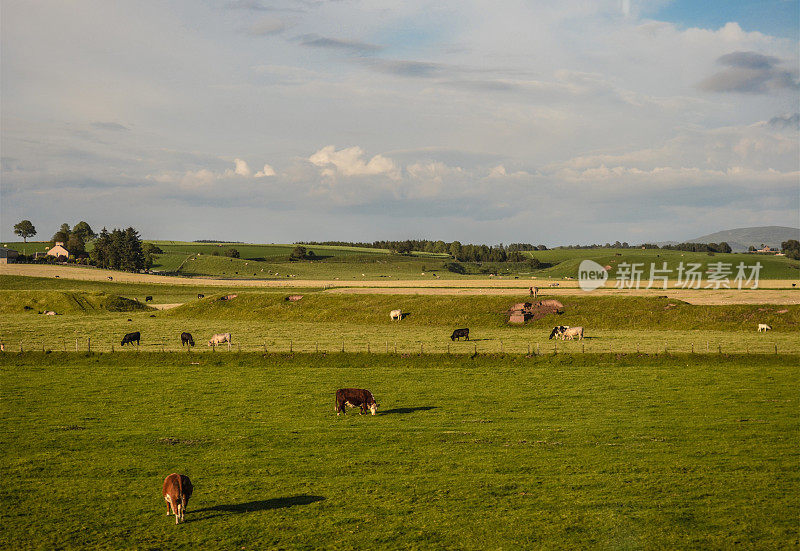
(2, 347)
(355, 398)
(148, 299)
(110, 278)
(49, 313)
(130, 337)
(458, 333)
(554, 285)
(396, 315)
(220, 338)
(177, 490)
(558, 330)
(200, 295)
(572, 332)
(534, 291)
(763, 327)
(187, 338)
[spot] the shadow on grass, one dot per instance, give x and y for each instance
(253, 506)
(406, 410)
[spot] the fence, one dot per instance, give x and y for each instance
(485, 346)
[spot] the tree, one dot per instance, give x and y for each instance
(75, 245)
(25, 230)
(791, 249)
(232, 253)
(62, 235)
(455, 249)
(724, 247)
(298, 253)
(84, 231)
(149, 248)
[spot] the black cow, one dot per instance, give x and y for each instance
(558, 330)
(130, 337)
(458, 333)
(200, 295)
(148, 299)
(187, 337)
(355, 398)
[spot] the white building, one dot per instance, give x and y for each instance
(58, 250)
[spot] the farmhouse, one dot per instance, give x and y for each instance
(58, 251)
(8, 256)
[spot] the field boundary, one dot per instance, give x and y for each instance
(85, 345)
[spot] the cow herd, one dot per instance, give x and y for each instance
(186, 339)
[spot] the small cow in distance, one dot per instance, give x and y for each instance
(110, 278)
(458, 333)
(148, 299)
(355, 398)
(534, 291)
(187, 338)
(572, 332)
(200, 295)
(220, 338)
(763, 327)
(396, 315)
(558, 330)
(130, 337)
(177, 490)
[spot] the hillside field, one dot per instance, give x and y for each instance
(351, 263)
(555, 452)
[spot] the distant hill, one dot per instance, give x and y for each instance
(741, 238)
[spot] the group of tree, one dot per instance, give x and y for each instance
(791, 249)
(462, 253)
(722, 247)
(74, 239)
(301, 253)
(120, 250)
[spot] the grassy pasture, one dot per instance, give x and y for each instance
(466, 453)
(327, 322)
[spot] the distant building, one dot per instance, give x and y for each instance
(8, 256)
(767, 249)
(58, 251)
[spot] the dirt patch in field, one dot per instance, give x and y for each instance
(166, 306)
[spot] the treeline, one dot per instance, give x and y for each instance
(722, 247)
(700, 247)
(462, 253)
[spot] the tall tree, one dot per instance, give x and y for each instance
(25, 230)
(62, 235)
(84, 231)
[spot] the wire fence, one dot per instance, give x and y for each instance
(485, 346)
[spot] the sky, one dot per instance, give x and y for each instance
(578, 121)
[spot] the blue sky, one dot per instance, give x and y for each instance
(772, 17)
(277, 121)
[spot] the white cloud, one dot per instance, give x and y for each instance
(240, 169)
(267, 171)
(350, 162)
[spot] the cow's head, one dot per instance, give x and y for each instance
(373, 408)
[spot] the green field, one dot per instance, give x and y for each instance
(328, 322)
(348, 263)
(466, 453)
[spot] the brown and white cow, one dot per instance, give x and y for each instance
(355, 398)
(176, 491)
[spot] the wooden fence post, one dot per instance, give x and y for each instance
(501, 347)
(475, 349)
(583, 348)
(368, 348)
(342, 345)
(719, 347)
(537, 348)
(316, 347)
(291, 346)
(421, 352)
(692, 348)
(20, 348)
(112, 347)
(529, 349)
(76, 345)
(89, 345)
(776, 348)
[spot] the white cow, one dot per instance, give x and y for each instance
(396, 315)
(763, 327)
(220, 338)
(572, 332)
